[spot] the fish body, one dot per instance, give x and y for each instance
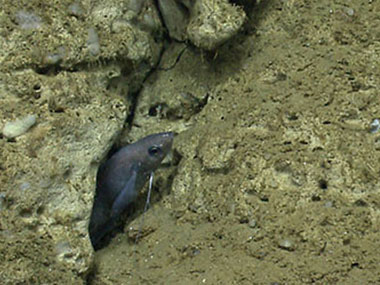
(120, 179)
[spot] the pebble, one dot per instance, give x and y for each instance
(349, 11)
(252, 223)
(286, 244)
(374, 126)
(28, 20)
(2, 201)
(19, 127)
(93, 44)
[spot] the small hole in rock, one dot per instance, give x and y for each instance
(59, 110)
(315, 198)
(40, 210)
(293, 117)
(264, 199)
(25, 213)
(360, 203)
(152, 111)
(322, 184)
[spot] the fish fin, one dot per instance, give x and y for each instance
(126, 196)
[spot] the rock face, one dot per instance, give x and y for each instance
(176, 18)
(213, 22)
(48, 173)
(66, 70)
(275, 178)
(72, 66)
(206, 23)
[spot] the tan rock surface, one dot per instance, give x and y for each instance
(61, 63)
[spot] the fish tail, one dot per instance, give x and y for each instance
(100, 232)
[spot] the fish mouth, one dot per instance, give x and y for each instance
(169, 136)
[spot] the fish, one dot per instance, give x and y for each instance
(120, 179)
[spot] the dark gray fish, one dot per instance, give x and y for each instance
(120, 179)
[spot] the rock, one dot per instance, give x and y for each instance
(216, 154)
(176, 18)
(19, 127)
(286, 244)
(213, 22)
(206, 23)
(50, 179)
(252, 223)
(47, 177)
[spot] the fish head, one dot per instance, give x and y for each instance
(153, 149)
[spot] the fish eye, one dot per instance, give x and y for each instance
(154, 150)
